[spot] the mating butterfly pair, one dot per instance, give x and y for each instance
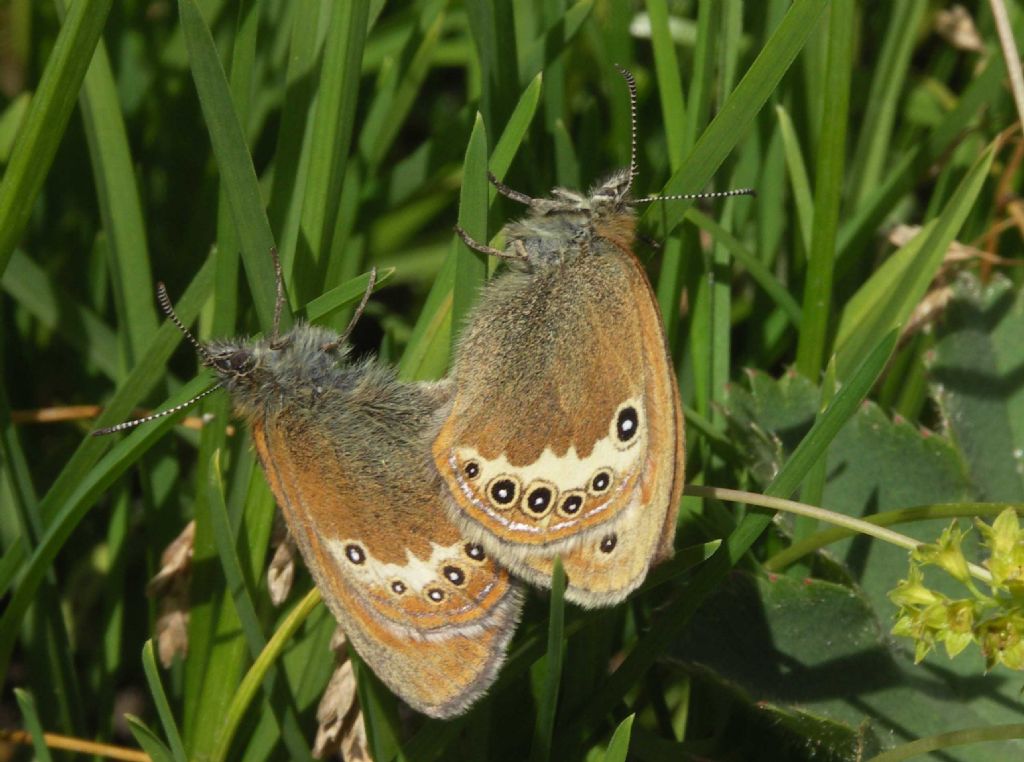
(558, 434)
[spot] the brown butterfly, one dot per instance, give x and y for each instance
(565, 438)
(345, 447)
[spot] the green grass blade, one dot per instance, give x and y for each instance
(331, 137)
(887, 81)
(471, 266)
(32, 724)
(241, 587)
(618, 747)
(254, 678)
(983, 90)
(292, 154)
(493, 31)
(547, 47)
(142, 379)
(163, 707)
(757, 269)
(887, 299)
(670, 83)
(11, 119)
(943, 741)
(342, 296)
(799, 181)
(120, 206)
(738, 111)
(515, 130)
(147, 739)
(225, 294)
(429, 344)
(238, 175)
(70, 512)
(828, 188)
(382, 125)
(11, 564)
(544, 727)
(47, 119)
(380, 712)
(82, 329)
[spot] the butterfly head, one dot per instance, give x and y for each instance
(233, 361)
(258, 371)
(611, 197)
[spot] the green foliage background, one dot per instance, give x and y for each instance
(357, 133)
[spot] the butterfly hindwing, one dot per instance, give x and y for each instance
(346, 452)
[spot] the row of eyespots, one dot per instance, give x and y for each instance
(454, 574)
(539, 497)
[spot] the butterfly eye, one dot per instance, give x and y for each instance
(504, 490)
(608, 543)
(474, 551)
(398, 587)
(571, 503)
(540, 497)
(601, 481)
(471, 469)
(454, 574)
(435, 594)
(355, 554)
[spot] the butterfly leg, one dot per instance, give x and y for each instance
(507, 192)
(520, 253)
(370, 284)
(279, 301)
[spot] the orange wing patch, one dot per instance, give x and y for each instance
(435, 628)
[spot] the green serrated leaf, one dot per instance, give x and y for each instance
(831, 678)
(975, 372)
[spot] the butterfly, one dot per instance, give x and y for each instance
(345, 447)
(565, 435)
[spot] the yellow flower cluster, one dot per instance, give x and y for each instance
(993, 619)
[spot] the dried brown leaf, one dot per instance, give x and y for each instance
(340, 719)
(171, 586)
(281, 572)
(957, 28)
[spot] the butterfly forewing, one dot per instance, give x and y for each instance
(564, 438)
(608, 565)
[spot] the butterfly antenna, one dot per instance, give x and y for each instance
(507, 192)
(689, 196)
(631, 83)
(359, 310)
(279, 301)
(146, 419)
(168, 308)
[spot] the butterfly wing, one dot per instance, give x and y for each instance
(605, 567)
(566, 427)
(429, 612)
